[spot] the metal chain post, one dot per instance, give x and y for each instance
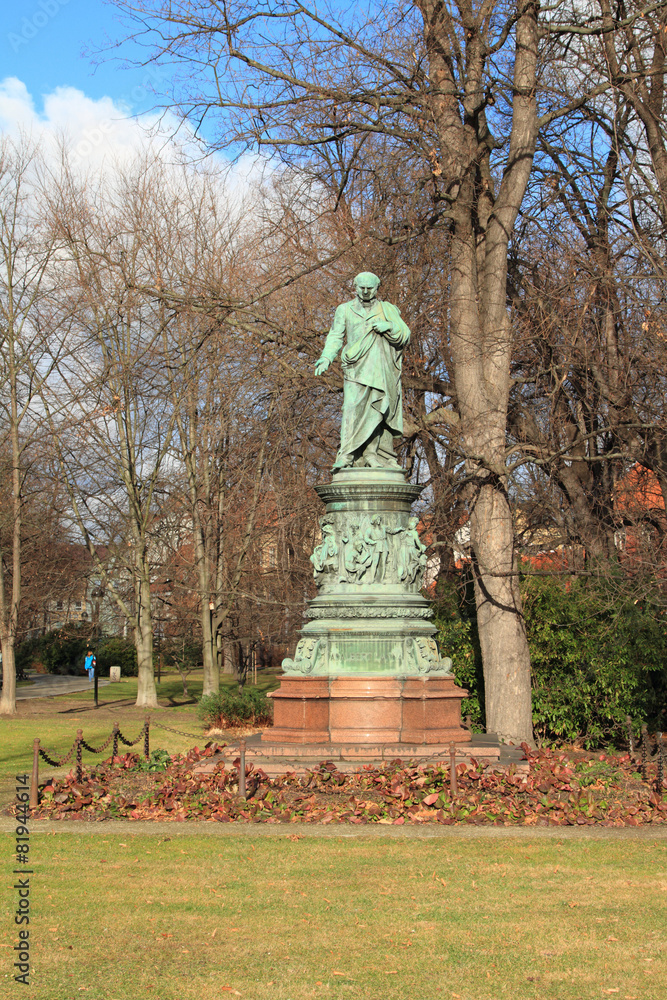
(79, 755)
(242, 768)
(661, 765)
(147, 726)
(34, 785)
(644, 753)
(453, 784)
(116, 730)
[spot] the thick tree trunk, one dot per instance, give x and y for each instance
(502, 634)
(206, 589)
(9, 604)
(482, 222)
(143, 641)
(209, 652)
(8, 699)
(481, 352)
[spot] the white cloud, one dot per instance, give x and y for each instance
(102, 133)
(98, 132)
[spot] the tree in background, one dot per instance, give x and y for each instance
(108, 409)
(25, 254)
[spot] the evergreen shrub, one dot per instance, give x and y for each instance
(230, 708)
(596, 657)
(62, 651)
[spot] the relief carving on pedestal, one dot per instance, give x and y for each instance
(306, 657)
(356, 556)
(411, 561)
(423, 654)
(376, 537)
(341, 611)
(326, 654)
(325, 555)
(368, 550)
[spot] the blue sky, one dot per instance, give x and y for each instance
(56, 83)
(50, 43)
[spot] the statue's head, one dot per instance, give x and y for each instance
(366, 285)
(413, 522)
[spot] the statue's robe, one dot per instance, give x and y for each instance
(372, 398)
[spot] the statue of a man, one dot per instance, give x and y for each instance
(371, 362)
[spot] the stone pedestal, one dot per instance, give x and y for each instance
(367, 711)
(367, 669)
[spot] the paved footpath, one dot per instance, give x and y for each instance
(49, 685)
(128, 828)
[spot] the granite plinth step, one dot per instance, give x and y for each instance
(278, 758)
(370, 752)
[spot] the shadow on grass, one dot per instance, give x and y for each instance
(80, 709)
(123, 703)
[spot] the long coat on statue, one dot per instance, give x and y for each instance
(372, 398)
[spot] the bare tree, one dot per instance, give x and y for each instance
(463, 91)
(25, 252)
(589, 315)
(424, 79)
(109, 409)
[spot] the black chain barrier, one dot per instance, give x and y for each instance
(78, 747)
(650, 748)
(87, 746)
(181, 732)
(132, 743)
(56, 763)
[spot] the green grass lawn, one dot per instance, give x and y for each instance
(56, 720)
(118, 917)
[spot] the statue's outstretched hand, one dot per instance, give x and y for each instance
(321, 366)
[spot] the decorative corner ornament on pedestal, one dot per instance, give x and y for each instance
(367, 667)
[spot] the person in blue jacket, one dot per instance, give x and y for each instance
(90, 664)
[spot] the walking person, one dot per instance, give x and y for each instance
(90, 663)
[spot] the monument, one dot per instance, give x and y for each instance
(367, 669)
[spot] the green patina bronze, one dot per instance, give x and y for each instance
(375, 337)
(370, 617)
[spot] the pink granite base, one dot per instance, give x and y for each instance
(364, 711)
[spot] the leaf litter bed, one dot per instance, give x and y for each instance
(561, 788)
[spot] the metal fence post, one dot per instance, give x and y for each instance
(147, 726)
(453, 784)
(242, 768)
(116, 730)
(34, 785)
(79, 755)
(661, 765)
(644, 753)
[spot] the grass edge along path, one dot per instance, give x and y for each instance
(116, 917)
